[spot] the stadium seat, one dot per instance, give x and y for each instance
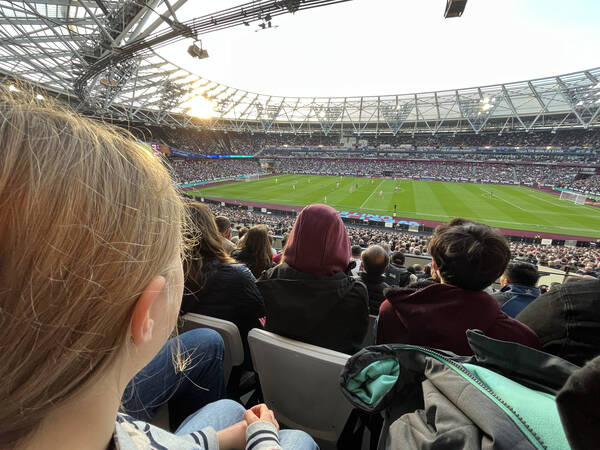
(370, 336)
(233, 355)
(234, 350)
(300, 384)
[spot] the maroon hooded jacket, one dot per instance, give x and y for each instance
(439, 315)
(309, 296)
(318, 242)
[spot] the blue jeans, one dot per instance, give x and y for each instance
(200, 383)
(224, 413)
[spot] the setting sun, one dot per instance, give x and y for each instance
(200, 107)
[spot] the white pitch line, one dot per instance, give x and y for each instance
(372, 193)
(558, 205)
(504, 200)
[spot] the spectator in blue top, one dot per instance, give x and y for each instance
(518, 287)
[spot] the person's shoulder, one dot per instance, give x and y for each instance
(277, 271)
(359, 283)
(502, 296)
(239, 270)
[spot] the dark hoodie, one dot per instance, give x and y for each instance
(439, 315)
(309, 297)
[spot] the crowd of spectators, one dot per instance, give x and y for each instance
(582, 260)
(213, 169)
(227, 142)
(589, 185)
(561, 138)
(192, 170)
(503, 173)
(92, 279)
(433, 155)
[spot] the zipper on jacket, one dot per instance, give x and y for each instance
(465, 372)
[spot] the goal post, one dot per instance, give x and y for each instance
(574, 197)
(251, 177)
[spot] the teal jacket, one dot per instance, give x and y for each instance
(503, 397)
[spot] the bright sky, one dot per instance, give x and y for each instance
(378, 47)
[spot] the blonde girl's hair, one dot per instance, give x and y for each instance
(87, 219)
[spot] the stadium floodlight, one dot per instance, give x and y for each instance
(197, 52)
(455, 8)
(39, 97)
(13, 88)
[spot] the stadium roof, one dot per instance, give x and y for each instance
(98, 53)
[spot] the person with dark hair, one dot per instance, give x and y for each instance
(242, 232)
(375, 261)
(518, 287)
(397, 274)
(224, 226)
(356, 253)
(567, 320)
(310, 295)
(467, 257)
(215, 286)
(255, 250)
(418, 271)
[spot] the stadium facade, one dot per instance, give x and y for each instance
(80, 50)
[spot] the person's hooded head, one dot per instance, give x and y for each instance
(318, 242)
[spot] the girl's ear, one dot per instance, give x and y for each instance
(142, 323)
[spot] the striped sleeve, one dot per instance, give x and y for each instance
(206, 438)
(262, 436)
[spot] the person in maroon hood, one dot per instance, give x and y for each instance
(466, 257)
(310, 296)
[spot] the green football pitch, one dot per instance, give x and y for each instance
(514, 207)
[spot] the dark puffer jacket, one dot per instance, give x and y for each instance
(328, 311)
(375, 287)
(229, 292)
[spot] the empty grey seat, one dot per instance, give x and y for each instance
(234, 350)
(300, 384)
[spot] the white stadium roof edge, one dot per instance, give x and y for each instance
(89, 50)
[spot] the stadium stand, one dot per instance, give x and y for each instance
(190, 171)
(284, 367)
(131, 317)
(576, 259)
(206, 141)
